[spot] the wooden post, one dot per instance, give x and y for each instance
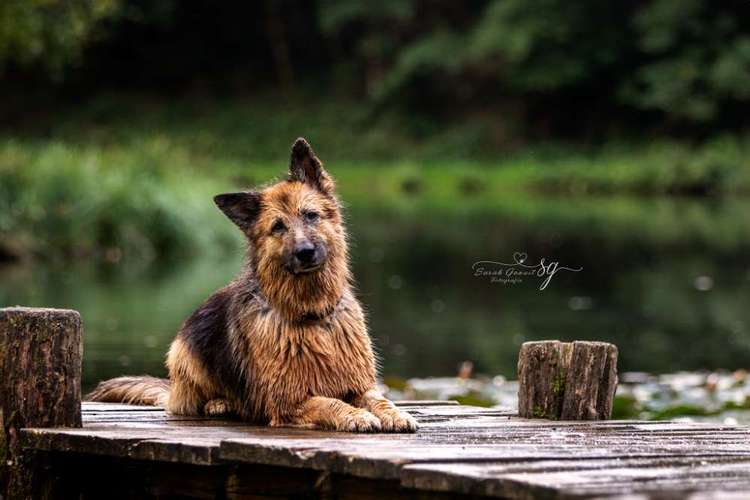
(40, 382)
(567, 381)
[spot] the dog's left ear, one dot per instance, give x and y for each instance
(305, 167)
(241, 208)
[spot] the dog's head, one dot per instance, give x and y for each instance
(294, 227)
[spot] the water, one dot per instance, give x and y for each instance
(668, 281)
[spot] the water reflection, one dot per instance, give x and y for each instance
(667, 281)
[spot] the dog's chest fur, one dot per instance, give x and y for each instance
(289, 362)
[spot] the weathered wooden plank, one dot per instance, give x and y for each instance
(197, 445)
(375, 456)
(433, 416)
(645, 480)
(520, 438)
(425, 402)
(112, 442)
(376, 460)
(88, 406)
(576, 477)
(717, 494)
(146, 416)
(458, 449)
(196, 450)
(460, 430)
(96, 406)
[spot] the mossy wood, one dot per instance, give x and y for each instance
(567, 380)
(40, 382)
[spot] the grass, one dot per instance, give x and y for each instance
(131, 177)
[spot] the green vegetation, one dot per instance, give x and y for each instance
(558, 384)
(518, 63)
(472, 399)
(627, 407)
(51, 35)
(60, 201)
(691, 58)
(538, 412)
(108, 186)
(416, 107)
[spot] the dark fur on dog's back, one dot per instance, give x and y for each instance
(286, 342)
(206, 335)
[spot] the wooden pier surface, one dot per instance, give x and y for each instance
(459, 450)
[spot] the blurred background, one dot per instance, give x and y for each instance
(610, 136)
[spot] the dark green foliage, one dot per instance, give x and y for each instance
(697, 58)
(51, 34)
(60, 202)
(522, 67)
(690, 61)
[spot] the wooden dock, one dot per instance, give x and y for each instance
(459, 451)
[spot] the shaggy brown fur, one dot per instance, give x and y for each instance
(286, 342)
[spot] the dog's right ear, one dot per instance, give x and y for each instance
(241, 208)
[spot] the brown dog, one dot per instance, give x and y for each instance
(286, 342)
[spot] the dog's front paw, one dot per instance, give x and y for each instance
(397, 421)
(358, 421)
(216, 407)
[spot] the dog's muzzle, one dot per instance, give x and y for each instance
(307, 257)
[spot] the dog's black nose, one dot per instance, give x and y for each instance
(305, 252)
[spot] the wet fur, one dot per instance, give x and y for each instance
(273, 346)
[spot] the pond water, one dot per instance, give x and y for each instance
(668, 281)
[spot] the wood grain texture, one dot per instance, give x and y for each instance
(567, 381)
(459, 451)
(40, 379)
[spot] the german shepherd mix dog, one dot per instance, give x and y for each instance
(286, 342)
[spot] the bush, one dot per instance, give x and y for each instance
(61, 201)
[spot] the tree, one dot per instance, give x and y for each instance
(49, 33)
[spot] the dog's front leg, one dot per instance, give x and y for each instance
(391, 418)
(332, 414)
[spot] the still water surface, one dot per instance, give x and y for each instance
(668, 281)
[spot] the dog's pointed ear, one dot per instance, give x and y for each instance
(305, 167)
(241, 208)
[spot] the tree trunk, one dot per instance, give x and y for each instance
(567, 381)
(277, 39)
(40, 382)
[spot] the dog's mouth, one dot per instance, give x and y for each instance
(306, 270)
(297, 269)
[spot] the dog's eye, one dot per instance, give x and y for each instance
(278, 226)
(311, 216)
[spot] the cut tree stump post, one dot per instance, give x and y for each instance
(567, 380)
(40, 383)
